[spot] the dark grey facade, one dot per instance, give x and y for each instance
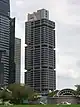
(40, 53)
(5, 39)
(1, 69)
(17, 60)
(5, 8)
(12, 52)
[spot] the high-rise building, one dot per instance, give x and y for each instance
(40, 52)
(5, 37)
(12, 52)
(17, 60)
(1, 69)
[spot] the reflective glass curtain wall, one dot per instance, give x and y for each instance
(4, 39)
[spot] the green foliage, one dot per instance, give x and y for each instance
(17, 93)
(53, 93)
(5, 95)
(77, 90)
(35, 96)
(20, 92)
(76, 105)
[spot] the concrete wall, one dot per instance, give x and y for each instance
(58, 100)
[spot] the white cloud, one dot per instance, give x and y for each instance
(19, 3)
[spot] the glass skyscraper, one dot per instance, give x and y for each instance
(12, 51)
(4, 41)
(17, 60)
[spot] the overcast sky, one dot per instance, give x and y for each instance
(66, 14)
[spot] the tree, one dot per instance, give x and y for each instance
(0, 94)
(34, 97)
(53, 93)
(77, 90)
(20, 92)
(5, 95)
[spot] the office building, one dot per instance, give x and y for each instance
(12, 52)
(17, 60)
(1, 69)
(40, 52)
(5, 37)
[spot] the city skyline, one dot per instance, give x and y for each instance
(66, 15)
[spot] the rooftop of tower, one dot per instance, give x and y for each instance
(40, 14)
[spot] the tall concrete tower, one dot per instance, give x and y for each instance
(40, 52)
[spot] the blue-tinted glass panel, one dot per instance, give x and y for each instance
(4, 7)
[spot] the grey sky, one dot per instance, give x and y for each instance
(66, 14)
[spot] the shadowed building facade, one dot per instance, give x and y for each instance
(40, 53)
(1, 68)
(17, 60)
(5, 40)
(12, 52)
(4, 37)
